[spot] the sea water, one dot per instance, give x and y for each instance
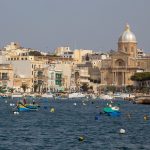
(61, 129)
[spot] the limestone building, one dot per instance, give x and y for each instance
(122, 64)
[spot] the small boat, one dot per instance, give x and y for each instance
(111, 109)
(22, 107)
(108, 110)
(17, 95)
(124, 95)
(47, 95)
(76, 95)
(116, 108)
(106, 97)
(114, 113)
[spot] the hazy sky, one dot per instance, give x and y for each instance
(86, 24)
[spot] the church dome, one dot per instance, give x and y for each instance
(127, 36)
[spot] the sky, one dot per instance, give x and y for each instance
(80, 24)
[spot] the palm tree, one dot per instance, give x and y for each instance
(36, 87)
(24, 87)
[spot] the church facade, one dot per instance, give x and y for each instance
(125, 62)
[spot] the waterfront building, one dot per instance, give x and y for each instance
(82, 75)
(24, 62)
(6, 75)
(122, 64)
(54, 78)
(59, 76)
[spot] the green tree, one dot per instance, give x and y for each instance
(34, 53)
(111, 88)
(85, 87)
(24, 87)
(36, 87)
(141, 76)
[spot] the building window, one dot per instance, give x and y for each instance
(126, 49)
(4, 76)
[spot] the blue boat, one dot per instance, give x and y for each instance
(22, 107)
(114, 113)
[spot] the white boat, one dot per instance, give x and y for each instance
(106, 97)
(47, 95)
(76, 95)
(116, 108)
(17, 95)
(123, 95)
(111, 105)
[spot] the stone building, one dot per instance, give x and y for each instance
(6, 75)
(122, 64)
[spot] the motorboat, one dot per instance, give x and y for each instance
(47, 95)
(106, 97)
(76, 95)
(22, 107)
(124, 95)
(17, 95)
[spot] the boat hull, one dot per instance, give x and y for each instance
(27, 108)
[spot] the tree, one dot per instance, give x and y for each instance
(111, 88)
(85, 87)
(24, 87)
(34, 53)
(141, 76)
(35, 87)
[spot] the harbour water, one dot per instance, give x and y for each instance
(61, 129)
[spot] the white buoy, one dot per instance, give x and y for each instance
(122, 131)
(5, 101)
(16, 113)
(11, 104)
(74, 104)
(84, 104)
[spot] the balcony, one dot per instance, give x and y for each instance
(84, 80)
(4, 78)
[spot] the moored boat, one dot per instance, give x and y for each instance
(26, 107)
(106, 97)
(47, 95)
(17, 95)
(76, 95)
